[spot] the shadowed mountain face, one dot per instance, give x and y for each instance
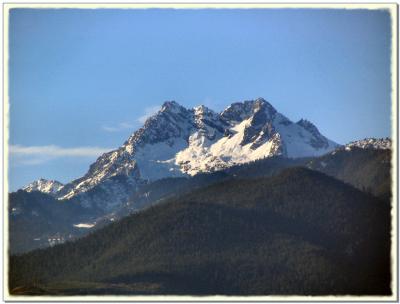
(299, 232)
(37, 219)
(366, 169)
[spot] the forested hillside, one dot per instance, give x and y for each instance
(300, 232)
(367, 169)
(36, 217)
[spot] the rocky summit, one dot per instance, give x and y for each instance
(178, 142)
(44, 185)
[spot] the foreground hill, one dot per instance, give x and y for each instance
(300, 232)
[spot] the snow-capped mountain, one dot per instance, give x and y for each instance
(179, 142)
(371, 143)
(44, 185)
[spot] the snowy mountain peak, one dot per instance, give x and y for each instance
(44, 185)
(171, 106)
(240, 111)
(204, 115)
(177, 141)
(202, 110)
(171, 121)
(262, 103)
(370, 143)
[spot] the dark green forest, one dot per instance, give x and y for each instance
(299, 232)
(366, 169)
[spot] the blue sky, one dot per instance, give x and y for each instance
(81, 81)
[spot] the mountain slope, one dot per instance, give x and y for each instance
(162, 189)
(366, 169)
(33, 227)
(300, 232)
(37, 219)
(178, 142)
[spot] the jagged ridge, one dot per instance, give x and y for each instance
(370, 143)
(177, 141)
